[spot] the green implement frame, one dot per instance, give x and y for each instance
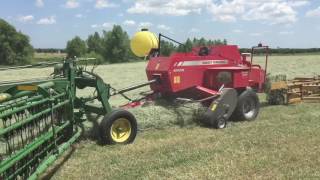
(40, 119)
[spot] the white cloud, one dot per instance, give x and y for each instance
(94, 26)
(39, 3)
(107, 25)
(129, 23)
(226, 18)
(314, 12)
(168, 7)
(286, 32)
(79, 16)
(164, 27)
(226, 11)
(47, 20)
(237, 31)
(194, 30)
(71, 4)
(255, 34)
(299, 3)
(100, 4)
(145, 25)
(266, 11)
(272, 13)
(25, 19)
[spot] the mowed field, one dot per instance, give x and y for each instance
(282, 143)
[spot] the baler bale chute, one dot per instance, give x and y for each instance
(281, 91)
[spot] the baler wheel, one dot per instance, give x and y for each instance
(221, 109)
(118, 127)
(248, 106)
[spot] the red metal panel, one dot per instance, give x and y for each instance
(182, 71)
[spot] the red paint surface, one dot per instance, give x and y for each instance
(205, 74)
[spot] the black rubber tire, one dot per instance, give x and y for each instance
(204, 51)
(109, 119)
(220, 123)
(221, 109)
(241, 113)
(276, 98)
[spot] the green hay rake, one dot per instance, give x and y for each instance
(41, 118)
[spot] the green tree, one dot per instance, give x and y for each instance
(94, 43)
(167, 48)
(202, 42)
(188, 45)
(116, 45)
(76, 47)
(225, 42)
(15, 47)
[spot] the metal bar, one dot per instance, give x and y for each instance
(29, 105)
(25, 93)
(19, 103)
(159, 44)
(62, 148)
(103, 94)
(29, 81)
(266, 64)
(30, 147)
(95, 109)
(186, 100)
(32, 160)
(134, 87)
(21, 123)
(30, 66)
(171, 40)
(23, 108)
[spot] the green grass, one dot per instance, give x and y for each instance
(43, 57)
(283, 142)
(281, 145)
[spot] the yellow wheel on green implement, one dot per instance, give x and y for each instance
(120, 130)
(118, 127)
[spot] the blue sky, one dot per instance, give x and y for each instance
(278, 23)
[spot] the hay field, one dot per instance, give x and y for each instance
(283, 143)
(42, 57)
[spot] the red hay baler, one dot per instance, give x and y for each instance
(219, 77)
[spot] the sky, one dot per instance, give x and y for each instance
(277, 23)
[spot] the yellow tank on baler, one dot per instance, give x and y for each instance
(143, 42)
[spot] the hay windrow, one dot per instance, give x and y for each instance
(160, 115)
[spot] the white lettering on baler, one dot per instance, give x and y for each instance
(202, 62)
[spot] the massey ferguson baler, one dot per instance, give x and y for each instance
(217, 76)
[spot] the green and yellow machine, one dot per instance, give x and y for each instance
(41, 118)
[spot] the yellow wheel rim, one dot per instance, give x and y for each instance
(120, 130)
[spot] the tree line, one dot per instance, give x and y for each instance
(50, 50)
(286, 51)
(114, 46)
